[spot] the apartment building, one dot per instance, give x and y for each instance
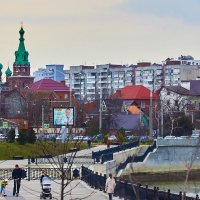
(88, 82)
(170, 73)
(148, 75)
(53, 71)
(81, 80)
(177, 71)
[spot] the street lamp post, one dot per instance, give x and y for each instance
(161, 120)
(100, 110)
(42, 119)
(150, 114)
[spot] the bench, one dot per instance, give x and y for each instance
(73, 149)
(18, 157)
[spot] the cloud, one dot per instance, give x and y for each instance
(184, 10)
(95, 32)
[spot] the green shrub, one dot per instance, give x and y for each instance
(11, 136)
(30, 136)
(22, 139)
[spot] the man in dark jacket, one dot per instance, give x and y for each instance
(16, 175)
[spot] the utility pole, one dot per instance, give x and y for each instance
(150, 114)
(70, 91)
(100, 109)
(0, 100)
(161, 123)
(43, 119)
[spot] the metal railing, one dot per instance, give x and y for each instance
(141, 158)
(35, 173)
(107, 154)
(131, 191)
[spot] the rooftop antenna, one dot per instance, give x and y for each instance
(22, 24)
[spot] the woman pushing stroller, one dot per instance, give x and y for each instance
(44, 174)
(45, 182)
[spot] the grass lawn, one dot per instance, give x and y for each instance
(8, 150)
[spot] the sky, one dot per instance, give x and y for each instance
(91, 32)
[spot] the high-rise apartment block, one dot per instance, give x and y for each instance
(88, 81)
(183, 69)
(148, 75)
(171, 72)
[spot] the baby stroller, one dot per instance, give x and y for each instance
(46, 188)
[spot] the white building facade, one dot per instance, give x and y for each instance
(88, 81)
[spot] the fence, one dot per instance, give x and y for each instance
(129, 191)
(107, 154)
(141, 158)
(35, 173)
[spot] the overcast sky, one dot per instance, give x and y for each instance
(75, 32)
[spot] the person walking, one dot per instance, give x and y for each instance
(108, 143)
(110, 186)
(89, 143)
(17, 176)
(3, 184)
(44, 174)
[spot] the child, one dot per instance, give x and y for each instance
(3, 187)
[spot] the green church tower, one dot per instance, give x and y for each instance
(21, 55)
(21, 67)
(1, 67)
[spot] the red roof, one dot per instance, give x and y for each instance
(49, 84)
(134, 92)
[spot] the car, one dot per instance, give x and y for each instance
(86, 138)
(112, 138)
(169, 137)
(2, 137)
(78, 138)
(129, 138)
(195, 135)
(183, 137)
(144, 138)
(97, 138)
(59, 138)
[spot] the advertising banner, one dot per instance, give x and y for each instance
(63, 116)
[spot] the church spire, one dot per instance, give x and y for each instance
(1, 67)
(21, 55)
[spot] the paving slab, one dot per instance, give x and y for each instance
(77, 189)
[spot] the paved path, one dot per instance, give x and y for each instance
(77, 189)
(23, 163)
(30, 190)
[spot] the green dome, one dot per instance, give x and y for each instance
(8, 72)
(1, 66)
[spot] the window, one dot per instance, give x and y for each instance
(65, 96)
(14, 84)
(142, 104)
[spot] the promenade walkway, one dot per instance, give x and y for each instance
(87, 153)
(30, 190)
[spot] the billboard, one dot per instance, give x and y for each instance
(63, 116)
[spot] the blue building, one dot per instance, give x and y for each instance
(52, 71)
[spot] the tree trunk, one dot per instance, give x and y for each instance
(62, 186)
